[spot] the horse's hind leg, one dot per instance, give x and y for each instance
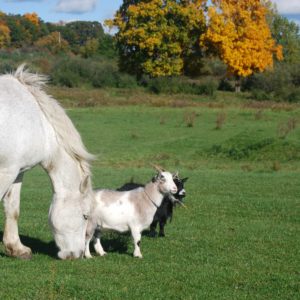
(11, 239)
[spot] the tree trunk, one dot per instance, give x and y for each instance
(238, 84)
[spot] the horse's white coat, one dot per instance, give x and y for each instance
(130, 210)
(36, 130)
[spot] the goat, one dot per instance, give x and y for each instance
(165, 210)
(127, 211)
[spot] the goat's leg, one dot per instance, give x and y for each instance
(162, 223)
(153, 232)
(136, 234)
(97, 243)
(11, 239)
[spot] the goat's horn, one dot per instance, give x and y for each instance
(158, 168)
(176, 174)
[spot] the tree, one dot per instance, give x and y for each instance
(53, 42)
(241, 36)
(287, 34)
(4, 32)
(33, 18)
(156, 37)
(90, 48)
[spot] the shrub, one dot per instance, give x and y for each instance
(178, 85)
(105, 75)
(225, 85)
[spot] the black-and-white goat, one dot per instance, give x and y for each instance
(127, 211)
(165, 210)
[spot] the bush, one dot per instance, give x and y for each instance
(178, 85)
(105, 75)
(281, 84)
(66, 78)
(225, 85)
(73, 72)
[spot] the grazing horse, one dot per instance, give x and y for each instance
(36, 130)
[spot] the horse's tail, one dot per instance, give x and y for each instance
(67, 135)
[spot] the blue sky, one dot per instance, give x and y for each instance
(99, 10)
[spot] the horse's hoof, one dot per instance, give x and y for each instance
(24, 254)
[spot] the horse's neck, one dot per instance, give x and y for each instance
(153, 193)
(64, 172)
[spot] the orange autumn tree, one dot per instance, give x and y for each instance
(33, 18)
(4, 31)
(239, 32)
(156, 37)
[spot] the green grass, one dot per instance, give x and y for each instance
(237, 239)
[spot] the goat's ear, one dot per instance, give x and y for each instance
(85, 185)
(175, 175)
(184, 179)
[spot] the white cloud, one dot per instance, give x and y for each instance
(288, 6)
(75, 6)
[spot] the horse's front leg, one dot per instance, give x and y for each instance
(11, 239)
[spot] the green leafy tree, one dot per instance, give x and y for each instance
(287, 34)
(90, 48)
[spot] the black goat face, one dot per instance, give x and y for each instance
(180, 188)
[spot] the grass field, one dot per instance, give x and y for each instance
(237, 239)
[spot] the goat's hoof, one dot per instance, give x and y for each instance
(153, 234)
(88, 256)
(161, 234)
(138, 256)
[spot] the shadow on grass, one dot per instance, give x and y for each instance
(37, 246)
(112, 243)
(117, 243)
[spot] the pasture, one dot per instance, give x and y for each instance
(238, 237)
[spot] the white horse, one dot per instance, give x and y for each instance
(36, 130)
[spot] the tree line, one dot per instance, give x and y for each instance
(79, 37)
(171, 38)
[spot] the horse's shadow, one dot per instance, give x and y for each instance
(37, 246)
(117, 244)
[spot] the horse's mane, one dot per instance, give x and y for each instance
(67, 135)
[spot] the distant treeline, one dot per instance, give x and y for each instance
(78, 37)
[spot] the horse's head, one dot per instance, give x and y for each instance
(68, 218)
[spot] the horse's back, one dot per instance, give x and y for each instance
(23, 125)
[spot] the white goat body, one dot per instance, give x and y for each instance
(130, 210)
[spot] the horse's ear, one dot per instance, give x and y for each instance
(84, 185)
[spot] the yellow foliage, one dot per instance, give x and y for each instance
(53, 42)
(33, 18)
(239, 31)
(156, 34)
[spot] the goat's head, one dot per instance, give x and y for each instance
(165, 182)
(180, 187)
